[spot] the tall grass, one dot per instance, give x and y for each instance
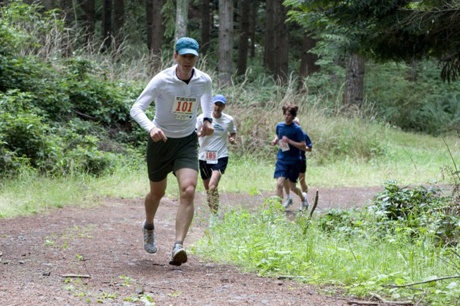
(266, 242)
(409, 159)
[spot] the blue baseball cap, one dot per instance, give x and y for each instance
(187, 45)
(219, 98)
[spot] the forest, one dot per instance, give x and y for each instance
(378, 91)
(70, 69)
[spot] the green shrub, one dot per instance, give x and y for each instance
(27, 142)
(24, 134)
(345, 221)
(40, 81)
(12, 165)
(400, 202)
(418, 211)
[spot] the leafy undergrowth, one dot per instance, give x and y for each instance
(401, 248)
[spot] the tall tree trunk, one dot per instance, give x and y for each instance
(225, 42)
(269, 50)
(150, 19)
(252, 28)
(308, 60)
(47, 4)
(276, 39)
(107, 25)
(118, 22)
(243, 44)
(281, 42)
(412, 75)
(206, 19)
(354, 83)
(67, 8)
(155, 27)
(89, 9)
(181, 18)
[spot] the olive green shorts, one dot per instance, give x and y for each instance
(170, 156)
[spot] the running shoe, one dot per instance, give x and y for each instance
(287, 203)
(149, 240)
(304, 204)
(178, 256)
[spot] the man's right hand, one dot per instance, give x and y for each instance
(157, 135)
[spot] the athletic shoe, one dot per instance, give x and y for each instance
(178, 256)
(149, 240)
(287, 203)
(304, 204)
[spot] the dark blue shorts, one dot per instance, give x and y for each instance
(289, 171)
(206, 169)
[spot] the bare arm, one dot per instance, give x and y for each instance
(231, 138)
(299, 145)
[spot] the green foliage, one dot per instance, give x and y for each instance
(322, 252)
(28, 28)
(23, 134)
(388, 30)
(169, 13)
(59, 100)
(401, 202)
(95, 98)
(418, 211)
(423, 105)
(40, 81)
(27, 141)
(344, 221)
(9, 41)
(42, 103)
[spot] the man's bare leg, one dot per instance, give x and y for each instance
(151, 203)
(187, 179)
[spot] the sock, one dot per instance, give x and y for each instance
(149, 226)
(215, 199)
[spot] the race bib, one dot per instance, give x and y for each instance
(183, 107)
(211, 157)
(283, 145)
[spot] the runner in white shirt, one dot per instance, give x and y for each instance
(172, 145)
(213, 153)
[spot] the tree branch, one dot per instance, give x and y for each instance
(424, 282)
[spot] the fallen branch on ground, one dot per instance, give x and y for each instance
(76, 275)
(380, 299)
(424, 282)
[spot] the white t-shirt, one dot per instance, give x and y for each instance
(176, 103)
(217, 142)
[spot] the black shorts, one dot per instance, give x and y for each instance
(206, 169)
(170, 156)
(303, 166)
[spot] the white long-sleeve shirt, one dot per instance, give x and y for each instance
(176, 103)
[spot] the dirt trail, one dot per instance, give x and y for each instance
(102, 248)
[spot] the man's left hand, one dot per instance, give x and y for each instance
(206, 129)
